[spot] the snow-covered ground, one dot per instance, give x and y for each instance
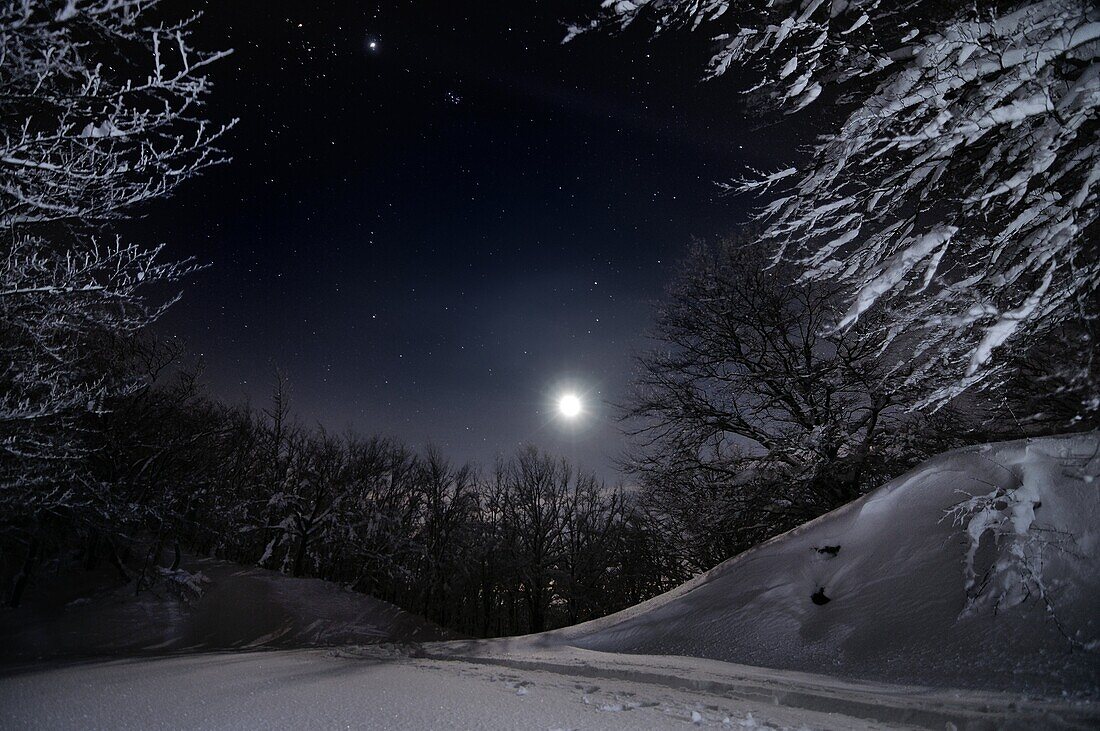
(374, 688)
(239, 607)
(979, 569)
(961, 595)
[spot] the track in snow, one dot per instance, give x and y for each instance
(382, 688)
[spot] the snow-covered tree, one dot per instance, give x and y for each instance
(749, 419)
(100, 111)
(958, 194)
(539, 486)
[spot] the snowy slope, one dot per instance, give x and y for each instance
(1004, 595)
(240, 607)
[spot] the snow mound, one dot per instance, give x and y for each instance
(210, 605)
(979, 569)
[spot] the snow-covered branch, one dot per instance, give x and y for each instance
(959, 195)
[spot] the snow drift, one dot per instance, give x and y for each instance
(215, 605)
(978, 569)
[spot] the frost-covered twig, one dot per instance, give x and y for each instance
(100, 112)
(1007, 517)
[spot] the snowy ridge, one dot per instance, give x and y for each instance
(234, 607)
(975, 570)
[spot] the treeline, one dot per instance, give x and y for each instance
(524, 545)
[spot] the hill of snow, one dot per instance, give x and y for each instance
(235, 607)
(979, 569)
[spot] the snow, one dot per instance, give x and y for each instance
(903, 603)
(982, 124)
(960, 595)
(856, 25)
(1006, 324)
(895, 270)
(380, 687)
(224, 605)
(105, 129)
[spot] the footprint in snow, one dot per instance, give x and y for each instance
(519, 685)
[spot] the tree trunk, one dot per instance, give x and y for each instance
(117, 563)
(24, 575)
(537, 613)
(300, 555)
(91, 553)
(486, 606)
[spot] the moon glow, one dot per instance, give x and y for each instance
(569, 406)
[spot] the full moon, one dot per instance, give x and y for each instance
(569, 405)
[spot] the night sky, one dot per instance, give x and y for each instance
(434, 238)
